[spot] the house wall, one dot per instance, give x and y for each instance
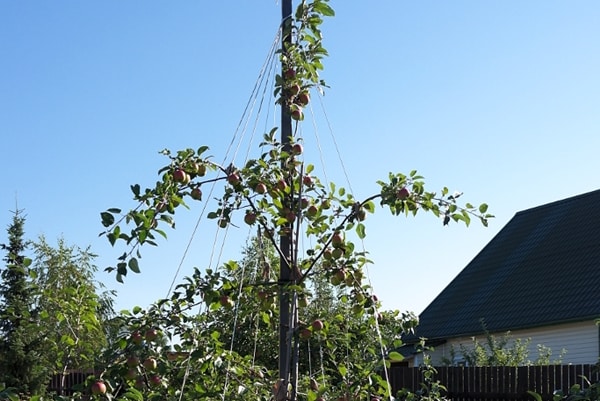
(580, 340)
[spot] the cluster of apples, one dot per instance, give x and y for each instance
(307, 331)
(298, 97)
(149, 365)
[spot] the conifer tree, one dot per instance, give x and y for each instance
(21, 366)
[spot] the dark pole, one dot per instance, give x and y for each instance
(286, 240)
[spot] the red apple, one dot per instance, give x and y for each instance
(250, 218)
(150, 364)
(151, 334)
(307, 180)
(305, 333)
(297, 114)
(295, 89)
(290, 217)
(303, 98)
(281, 185)
(133, 361)
(154, 381)
(98, 387)
(226, 301)
(337, 240)
(337, 277)
(297, 149)
(137, 338)
(180, 176)
(289, 73)
(233, 178)
(317, 325)
(402, 193)
(196, 194)
(260, 188)
(304, 203)
(312, 210)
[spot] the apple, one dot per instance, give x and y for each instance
(200, 169)
(233, 178)
(154, 380)
(402, 193)
(312, 211)
(226, 301)
(297, 114)
(317, 325)
(262, 295)
(337, 253)
(139, 383)
(151, 334)
(295, 89)
(131, 374)
(303, 99)
(260, 188)
(304, 203)
(137, 338)
(133, 361)
(320, 399)
(290, 217)
(305, 333)
(338, 277)
(150, 364)
(361, 215)
(282, 185)
(327, 254)
(307, 180)
(297, 149)
(289, 73)
(250, 218)
(196, 194)
(98, 387)
(337, 240)
(180, 176)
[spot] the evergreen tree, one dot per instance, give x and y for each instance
(20, 359)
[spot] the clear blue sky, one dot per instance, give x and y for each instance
(497, 99)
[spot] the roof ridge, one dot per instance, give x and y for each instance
(552, 204)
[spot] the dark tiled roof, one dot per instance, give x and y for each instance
(542, 268)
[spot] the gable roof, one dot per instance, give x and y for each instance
(542, 268)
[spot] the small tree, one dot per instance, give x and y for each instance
(71, 310)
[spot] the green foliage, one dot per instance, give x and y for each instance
(69, 304)
(589, 392)
(21, 356)
(502, 351)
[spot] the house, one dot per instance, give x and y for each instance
(538, 278)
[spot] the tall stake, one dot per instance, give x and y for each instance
(285, 242)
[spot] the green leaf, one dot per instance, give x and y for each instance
(133, 265)
(343, 370)
(535, 395)
(395, 356)
(360, 230)
(483, 208)
(107, 219)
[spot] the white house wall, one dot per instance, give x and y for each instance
(580, 340)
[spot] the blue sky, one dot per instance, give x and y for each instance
(499, 100)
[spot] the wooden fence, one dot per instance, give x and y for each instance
(497, 383)
(72, 379)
